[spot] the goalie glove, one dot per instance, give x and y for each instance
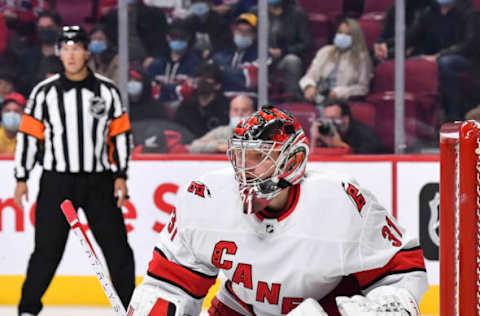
(382, 301)
(309, 307)
(147, 300)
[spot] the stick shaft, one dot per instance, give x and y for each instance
(96, 264)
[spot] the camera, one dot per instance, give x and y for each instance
(327, 127)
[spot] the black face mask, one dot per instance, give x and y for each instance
(47, 36)
(204, 87)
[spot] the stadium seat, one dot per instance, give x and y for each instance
(417, 131)
(352, 8)
(421, 80)
(421, 76)
(321, 151)
(74, 12)
(331, 7)
(377, 5)
(372, 25)
(306, 113)
(363, 112)
(322, 29)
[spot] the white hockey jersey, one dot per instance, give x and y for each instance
(332, 228)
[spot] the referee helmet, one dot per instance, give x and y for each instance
(73, 34)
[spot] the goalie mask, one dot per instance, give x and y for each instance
(268, 152)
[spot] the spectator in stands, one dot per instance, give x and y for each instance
(384, 47)
(226, 8)
(211, 32)
(337, 128)
(12, 110)
(142, 105)
(50, 65)
(20, 15)
(21, 11)
(216, 140)
(239, 60)
(209, 107)
(341, 70)
(105, 7)
(32, 61)
(173, 9)
(172, 72)
(147, 28)
(445, 34)
(103, 58)
(290, 39)
(7, 84)
(473, 114)
(472, 82)
(243, 6)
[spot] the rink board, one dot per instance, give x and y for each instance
(404, 184)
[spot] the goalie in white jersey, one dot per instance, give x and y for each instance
(279, 236)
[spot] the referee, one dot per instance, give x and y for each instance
(76, 127)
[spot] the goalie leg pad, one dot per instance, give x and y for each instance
(382, 301)
(309, 307)
(149, 300)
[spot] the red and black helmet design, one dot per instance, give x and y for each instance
(281, 142)
(269, 123)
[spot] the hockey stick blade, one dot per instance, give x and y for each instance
(100, 272)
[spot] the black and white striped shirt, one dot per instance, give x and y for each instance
(74, 127)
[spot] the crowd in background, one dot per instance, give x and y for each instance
(193, 68)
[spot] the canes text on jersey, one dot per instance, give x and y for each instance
(243, 274)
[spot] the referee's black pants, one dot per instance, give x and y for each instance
(94, 194)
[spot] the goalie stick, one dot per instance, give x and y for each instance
(100, 273)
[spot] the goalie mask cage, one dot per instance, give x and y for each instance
(460, 219)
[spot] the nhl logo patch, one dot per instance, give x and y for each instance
(98, 107)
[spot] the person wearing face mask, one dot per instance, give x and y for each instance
(12, 110)
(447, 34)
(208, 108)
(338, 129)
(32, 60)
(239, 59)
(216, 140)
(172, 73)
(142, 104)
(104, 58)
(341, 70)
(210, 29)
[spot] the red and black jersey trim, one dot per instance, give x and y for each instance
(290, 206)
(194, 283)
(247, 307)
(404, 261)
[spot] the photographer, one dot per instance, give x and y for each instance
(336, 128)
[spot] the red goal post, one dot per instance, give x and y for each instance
(460, 219)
